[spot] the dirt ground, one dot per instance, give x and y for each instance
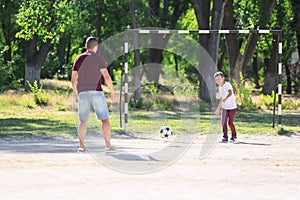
(256, 167)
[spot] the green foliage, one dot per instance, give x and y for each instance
(289, 104)
(43, 18)
(50, 67)
(153, 89)
(188, 21)
(244, 95)
(41, 97)
(202, 106)
(34, 17)
(64, 94)
(27, 102)
(61, 107)
(8, 80)
(136, 104)
(267, 101)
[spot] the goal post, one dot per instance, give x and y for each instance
(165, 31)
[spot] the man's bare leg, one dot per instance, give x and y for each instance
(106, 132)
(82, 129)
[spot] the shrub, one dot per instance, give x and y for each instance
(267, 101)
(136, 104)
(8, 80)
(40, 96)
(61, 107)
(289, 104)
(244, 95)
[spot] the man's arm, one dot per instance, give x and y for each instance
(74, 84)
(108, 82)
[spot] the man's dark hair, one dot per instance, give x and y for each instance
(91, 42)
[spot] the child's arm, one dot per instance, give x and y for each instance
(229, 95)
(217, 112)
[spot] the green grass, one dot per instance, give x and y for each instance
(17, 120)
(19, 116)
(261, 123)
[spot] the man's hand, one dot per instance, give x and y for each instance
(112, 96)
(109, 84)
(74, 84)
(76, 97)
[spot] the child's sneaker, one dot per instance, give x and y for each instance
(224, 140)
(232, 139)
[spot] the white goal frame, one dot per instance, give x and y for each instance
(141, 31)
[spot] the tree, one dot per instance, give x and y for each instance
(136, 70)
(167, 17)
(9, 63)
(39, 21)
(281, 19)
(238, 60)
(295, 27)
(296, 21)
(209, 42)
(8, 9)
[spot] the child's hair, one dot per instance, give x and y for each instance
(219, 74)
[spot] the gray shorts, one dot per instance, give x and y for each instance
(97, 100)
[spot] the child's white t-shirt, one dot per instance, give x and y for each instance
(230, 103)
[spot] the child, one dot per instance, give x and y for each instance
(228, 104)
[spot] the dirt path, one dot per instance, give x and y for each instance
(258, 167)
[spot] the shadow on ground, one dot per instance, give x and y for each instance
(38, 145)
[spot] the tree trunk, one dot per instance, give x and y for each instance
(296, 28)
(34, 60)
(61, 53)
(232, 44)
(61, 50)
(214, 42)
(236, 60)
(156, 55)
(202, 10)
(99, 20)
(288, 79)
(7, 53)
(270, 75)
(8, 10)
(68, 51)
(202, 13)
(153, 71)
(136, 69)
(209, 42)
(296, 11)
(255, 72)
(32, 74)
(217, 20)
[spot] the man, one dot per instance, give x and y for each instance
(86, 84)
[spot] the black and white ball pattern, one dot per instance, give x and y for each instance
(165, 131)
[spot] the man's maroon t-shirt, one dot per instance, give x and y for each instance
(88, 65)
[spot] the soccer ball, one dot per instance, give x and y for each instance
(165, 131)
